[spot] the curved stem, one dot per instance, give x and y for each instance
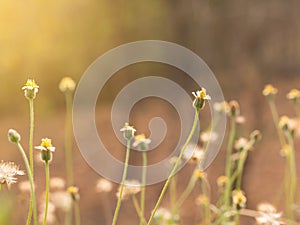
(186, 192)
(122, 184)
(174, 168)
(47, 191)
(144, 177)
(30, 177)
(31, 129)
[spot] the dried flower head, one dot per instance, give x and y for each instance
(104, 185)
(269, 90)
(13, 136)
(8, 173)
(199, 174)
(286, 150)
(74, 193)
(234, 108)
(30, 89)
(141, 142)
(128, 131)
(46, 149)
(268, 215)
(255, 136)
(287, 124)
(239, 199)
(293, 95)
(131, 187)
(67, 84)
(200, 97)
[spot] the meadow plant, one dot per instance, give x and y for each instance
(62, 197)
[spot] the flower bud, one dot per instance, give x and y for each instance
(13, 136)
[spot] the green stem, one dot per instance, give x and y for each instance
(229, 163)
(276, 121)
(68, 216)
(138, 209)
(47, 191)
(68, 138)
(122, 184)
(144, 177)
(174, 168)
(237, 218)
(173, 193)
(30, 177)
(31, 129)
(186, 192)
(207, 216)
(240, 168)
(292, 185)
(297, 108)
(77, 214)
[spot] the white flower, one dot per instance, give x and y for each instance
(8, 171)
(268, 215)
(104, 185)
(131, 187)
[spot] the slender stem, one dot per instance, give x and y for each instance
(186, 192)
(276, 120)
(175, 167)
(144, 177)
(68, 138)
(229, 163)
(207, 214)
(240, 168)
(138, 209)
(77, 214)
(68, 216)
(47, 191)
(237, 218)
(292, 185)
(31, 129)
(173, 193)
(122, 184)
(297, 108)
(0, 187)
(30, 177)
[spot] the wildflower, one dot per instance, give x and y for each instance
(202, 200)
(164, 216)
(74, 193)
(104, 185)
(293, 95)
(30, 89)
(286, 150)
(199, 174)
(8, 171)
(200, 97)
(62, 200)
(241, 143)
(255, 136)
(234, 108)
(13, 136)
(141, 142)
(208, 136)
(269, 91)
(57, 183)
(193, 153)
(46, 149)
(221, 181)
(67, 84)
(128, 131)
(239, 199)
(131, 187)
(268, 215)
(288, 125)
(221, 107)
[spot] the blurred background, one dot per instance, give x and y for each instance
(247, 44)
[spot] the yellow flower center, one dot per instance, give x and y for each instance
(269, 90)
(46, 142)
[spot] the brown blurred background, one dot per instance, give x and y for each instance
(246, 44)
